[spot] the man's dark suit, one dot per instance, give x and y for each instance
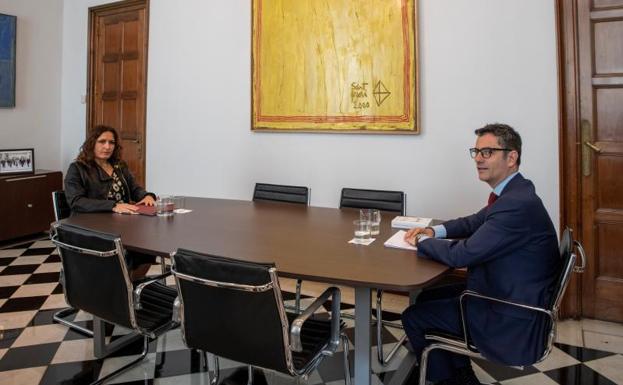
(511, 252)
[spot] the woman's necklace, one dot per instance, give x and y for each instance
(107, 167)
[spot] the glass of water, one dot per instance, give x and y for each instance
(362, 229)
(374, 217)
(179, 202)
(164, 207)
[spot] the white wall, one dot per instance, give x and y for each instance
(35, 120)
(480, 61)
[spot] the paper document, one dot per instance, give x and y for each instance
(397, 241)
(410, 222)
(364, 242)
(181, 211)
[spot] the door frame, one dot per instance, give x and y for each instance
(102, 10)
(569, 139)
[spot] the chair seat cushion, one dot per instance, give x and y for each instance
(156, 306)
(315, 334)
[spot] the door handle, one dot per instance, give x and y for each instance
(592, 146)
(139, 144)
(587, 154)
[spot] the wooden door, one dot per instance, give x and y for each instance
(118, 75)
(592, 148)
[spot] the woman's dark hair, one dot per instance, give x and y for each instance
(87, 150)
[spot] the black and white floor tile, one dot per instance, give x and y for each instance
(34, 350)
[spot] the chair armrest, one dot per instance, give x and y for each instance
(151, 278)
(177, 310)
(297, 324)
(471, 293)
(580, 248)
(447, 339)
(142, 283)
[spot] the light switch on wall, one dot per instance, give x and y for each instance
(83, 99)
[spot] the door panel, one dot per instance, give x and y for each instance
(609, 114)
(609, 265)
(600, 33)
(608, 3)
(608, 50)
(610, 168)
(118, 75)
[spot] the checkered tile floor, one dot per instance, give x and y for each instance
(34, 350)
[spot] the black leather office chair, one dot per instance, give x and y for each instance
(233, 309)
(288, 194)
(384, 200)
(61, 207)
(281, 193)
(62, 211)
(97, 282)
(463, 345)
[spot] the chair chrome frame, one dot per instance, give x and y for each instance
(379, 330)
(462, 346)
(134, 296)
(60, 315)
(291, 338)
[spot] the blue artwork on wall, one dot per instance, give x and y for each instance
(7, 60)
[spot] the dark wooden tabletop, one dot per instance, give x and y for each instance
(304, 242)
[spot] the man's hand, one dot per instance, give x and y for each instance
(410, 236)
(125, 208)
(147, 201)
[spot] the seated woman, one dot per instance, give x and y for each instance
(99, 181)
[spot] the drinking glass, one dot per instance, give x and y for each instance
(374, 217)
(164, 207)
(179, 201)
(362, 229)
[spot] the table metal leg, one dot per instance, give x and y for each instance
(363, 346)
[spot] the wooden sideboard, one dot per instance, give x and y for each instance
(26, 203)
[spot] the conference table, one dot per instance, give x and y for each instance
(309, 243)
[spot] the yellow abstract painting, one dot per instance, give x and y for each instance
(335, 66)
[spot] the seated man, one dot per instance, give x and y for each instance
(510, 250)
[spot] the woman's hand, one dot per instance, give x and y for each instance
(125, 208)
(410, 236)
(147, 201)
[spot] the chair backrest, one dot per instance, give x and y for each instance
(281, 193)
(233, 309)
(568, 259)
(96, 277)
(61, 207)
(384, 200)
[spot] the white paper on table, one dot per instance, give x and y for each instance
(401, 222)
(397, 241)
(181, 211)
(364, 242)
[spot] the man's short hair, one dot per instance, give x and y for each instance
(506, 135)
